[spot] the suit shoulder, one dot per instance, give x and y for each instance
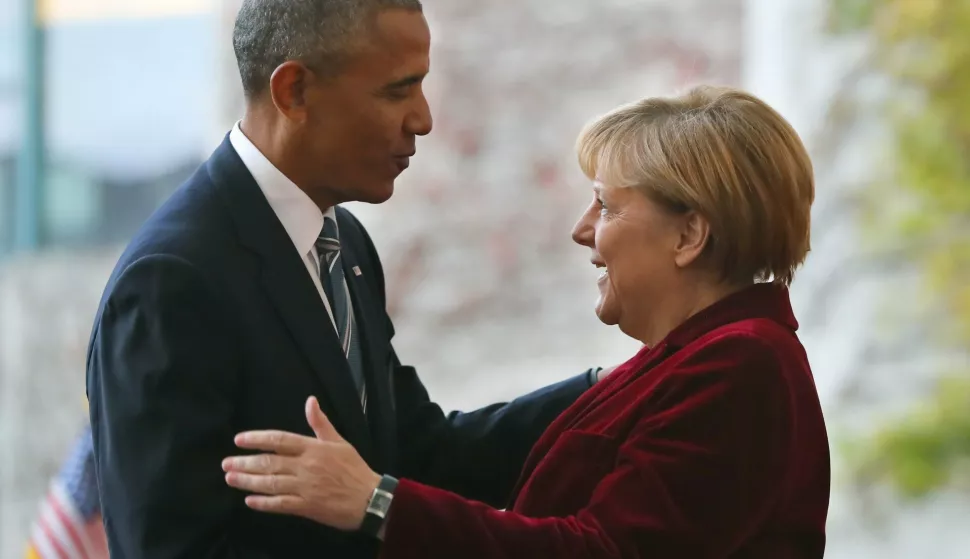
(191, 230)
(192, 224)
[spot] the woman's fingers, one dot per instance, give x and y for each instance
(280, 504)
(273, 484)
(319, 422)
(259, 464)
(273, 441)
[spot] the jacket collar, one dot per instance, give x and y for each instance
(762, 300)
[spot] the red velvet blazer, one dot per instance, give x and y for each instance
(709, 445)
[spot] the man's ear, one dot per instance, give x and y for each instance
(695, 233)
(288, 86)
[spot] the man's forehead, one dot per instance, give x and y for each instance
(396, 49)
(397, 29)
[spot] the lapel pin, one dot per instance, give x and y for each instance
(357, 271)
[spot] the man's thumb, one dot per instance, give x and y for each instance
(321, 426)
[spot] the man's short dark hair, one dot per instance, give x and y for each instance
(270, 32)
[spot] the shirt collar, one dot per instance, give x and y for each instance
(300, 217)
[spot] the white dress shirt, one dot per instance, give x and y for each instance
(301, 218)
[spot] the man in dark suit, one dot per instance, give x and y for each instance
(251, 289)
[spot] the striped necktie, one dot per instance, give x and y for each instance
(335, 286)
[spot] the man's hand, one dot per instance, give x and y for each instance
(323, 479)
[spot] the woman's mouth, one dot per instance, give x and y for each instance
(600, 265)
(604, 274)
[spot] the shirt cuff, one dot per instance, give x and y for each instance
(591, 375)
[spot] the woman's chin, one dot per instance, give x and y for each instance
(605, 314)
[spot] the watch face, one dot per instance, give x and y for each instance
(380, 503)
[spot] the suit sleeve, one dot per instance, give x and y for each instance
(477, 454)
(162, 378)
(693, 480)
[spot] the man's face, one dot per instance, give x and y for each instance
(360, 126)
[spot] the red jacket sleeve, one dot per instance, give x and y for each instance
(700, 471)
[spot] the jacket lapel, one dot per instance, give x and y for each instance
(633, 369)
(288, 285)
(372, 329)
(625, 374)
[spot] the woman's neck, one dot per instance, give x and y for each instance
(677, 307)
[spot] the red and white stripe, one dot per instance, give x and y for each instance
(61, 533)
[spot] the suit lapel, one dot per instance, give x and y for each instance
(299, 306)
(646, 360)
(372, 331)
(288, 285)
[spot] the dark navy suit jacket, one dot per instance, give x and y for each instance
(210, 325)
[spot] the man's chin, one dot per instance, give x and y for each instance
(377, 195)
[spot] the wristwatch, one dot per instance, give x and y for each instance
(378, 507)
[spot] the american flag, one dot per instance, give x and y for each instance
(69, 525)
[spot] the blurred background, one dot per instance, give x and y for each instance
(107, 105)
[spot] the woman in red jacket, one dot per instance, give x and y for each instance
(710, 442)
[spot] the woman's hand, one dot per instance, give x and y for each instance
(603, 373)
(323, 479)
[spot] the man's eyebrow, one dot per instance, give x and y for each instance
(405, 82)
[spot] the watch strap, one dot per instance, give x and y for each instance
(378, 506)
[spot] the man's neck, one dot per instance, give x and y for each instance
(260, 131)
(272, 143)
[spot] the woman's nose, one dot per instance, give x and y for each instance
(583, 230)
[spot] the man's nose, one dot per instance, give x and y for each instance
(419, 121)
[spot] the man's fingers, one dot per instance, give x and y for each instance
(279, 442)
(265, 484)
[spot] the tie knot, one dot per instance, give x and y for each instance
(329, 240)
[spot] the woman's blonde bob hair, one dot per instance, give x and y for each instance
(724, 154)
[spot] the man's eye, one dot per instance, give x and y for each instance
(398, 93)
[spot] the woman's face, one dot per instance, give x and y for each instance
(636, 243)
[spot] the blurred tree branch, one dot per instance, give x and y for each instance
(921, 47)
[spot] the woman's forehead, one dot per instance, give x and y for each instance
(602, 185)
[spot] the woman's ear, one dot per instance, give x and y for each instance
(695, 233)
